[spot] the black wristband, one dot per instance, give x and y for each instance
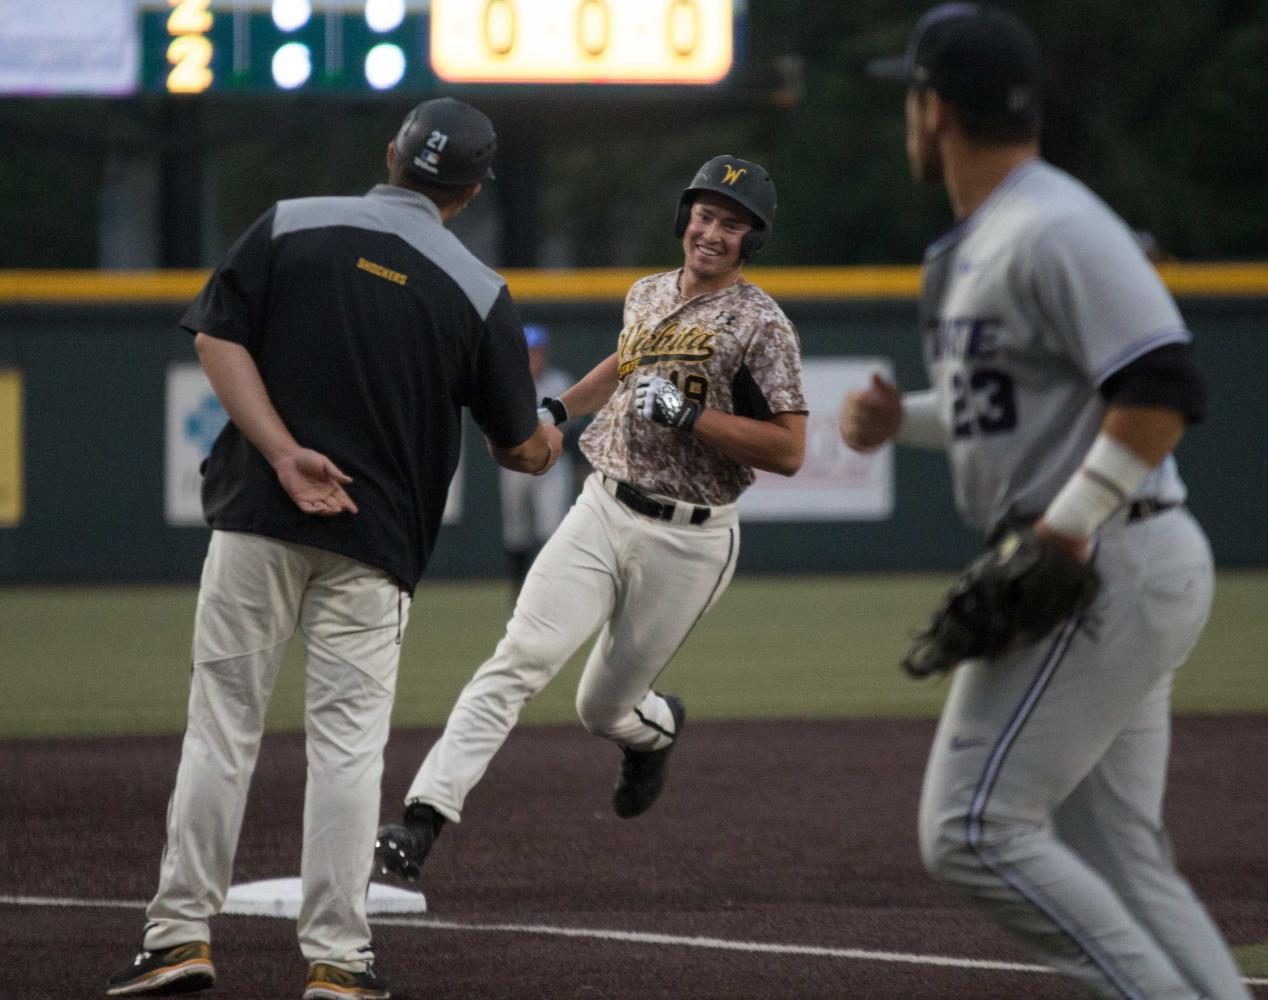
(556, 408)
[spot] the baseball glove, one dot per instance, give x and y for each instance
(1012, 596)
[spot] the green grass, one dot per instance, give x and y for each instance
(1253, 958)
(91, 661)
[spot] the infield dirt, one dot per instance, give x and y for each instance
(777, 833)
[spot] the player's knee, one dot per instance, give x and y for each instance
(969, 853)
(945, 849)
(599, 718)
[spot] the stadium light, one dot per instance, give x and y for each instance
(384, 15)
(291, 15)
(384, 66)
(292, 65)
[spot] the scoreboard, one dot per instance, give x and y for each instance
(192, 46)
(195, 46)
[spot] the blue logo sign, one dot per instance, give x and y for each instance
(204, 423)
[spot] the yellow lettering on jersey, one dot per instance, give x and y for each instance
(639, 346)
(382, 272)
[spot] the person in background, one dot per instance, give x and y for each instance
(533, 506)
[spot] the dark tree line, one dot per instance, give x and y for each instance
(1159, 108)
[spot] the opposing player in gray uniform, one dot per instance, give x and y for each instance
(1061, 382)
(704, 387)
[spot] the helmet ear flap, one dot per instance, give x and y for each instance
(752, 242)
(683, 214)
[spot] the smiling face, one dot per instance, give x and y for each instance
(716, 227)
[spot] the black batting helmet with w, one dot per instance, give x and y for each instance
(744, 182)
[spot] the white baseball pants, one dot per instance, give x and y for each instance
(1043, 797)
(255, 593)
(645, 582)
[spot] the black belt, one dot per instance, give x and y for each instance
(639, 501)
(1141, 509)
(1137, 510)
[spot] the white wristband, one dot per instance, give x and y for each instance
(1111, 472)
(921, 427)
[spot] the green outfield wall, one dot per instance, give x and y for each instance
(86, 380)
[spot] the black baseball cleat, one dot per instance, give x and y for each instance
(182, 968)
(643, 772)
(401, 848)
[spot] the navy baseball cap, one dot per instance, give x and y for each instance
(448, 142)
(980, 58)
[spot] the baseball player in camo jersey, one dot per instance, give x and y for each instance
(1062, 381)
(704, 387)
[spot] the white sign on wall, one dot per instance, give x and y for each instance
(194, 419)
(69, 47)
(835, 483)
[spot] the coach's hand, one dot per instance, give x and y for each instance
(658, 399)
(871, 416)
(314, 482)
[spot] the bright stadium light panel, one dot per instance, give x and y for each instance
(291, 15)
(384, 15)
(292, 65)
(384, 66)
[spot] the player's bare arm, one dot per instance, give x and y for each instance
(1133, 441)
(1152, 432)
(776, 445)
(536, 456)
(310, 479)
(593, 389)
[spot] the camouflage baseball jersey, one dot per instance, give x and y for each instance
(733, 350)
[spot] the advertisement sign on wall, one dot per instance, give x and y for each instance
(194, 419)
(835, 483)
(69, 47)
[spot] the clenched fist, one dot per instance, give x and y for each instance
(870, 417)
(658, 399)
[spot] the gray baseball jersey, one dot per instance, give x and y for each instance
(1043, 797)
(1028, 306)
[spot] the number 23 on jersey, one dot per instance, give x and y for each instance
(982, 402)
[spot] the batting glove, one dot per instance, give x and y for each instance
(660, 400)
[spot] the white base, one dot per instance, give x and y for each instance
(280, 897)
